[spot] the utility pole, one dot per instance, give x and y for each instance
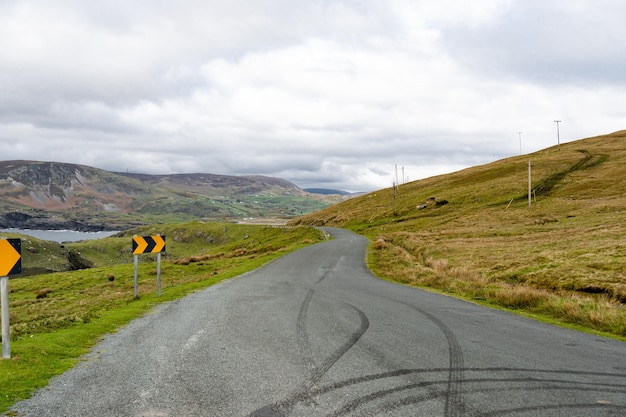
(396, 183)
(558, 136)
(395, 190)
(529, 184)
(520, 141)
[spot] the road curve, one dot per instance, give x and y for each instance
(315, 334)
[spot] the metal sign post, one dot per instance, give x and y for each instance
(10, 263)
(148, 244)
(6, 339)
(159, 274)
(136, 281)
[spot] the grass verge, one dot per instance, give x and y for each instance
(50, 332)
(395, 260)
(474, 233)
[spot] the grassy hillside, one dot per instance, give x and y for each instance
(473, 234)
(52, 195)
(57, 317)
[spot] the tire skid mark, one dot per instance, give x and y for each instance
(452, 390)
(330, 269)
(304, 392)
(560, 407)
(452, 393)
(359, 402)
(323, 276)
(404, 402)
(356, 335)
(567, 385)
(279, 410)
(304, 345)
(532, 410)
(454, 399)
(392, 374)
(455, 405)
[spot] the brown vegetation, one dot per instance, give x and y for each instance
(564, 257)
(43, 293)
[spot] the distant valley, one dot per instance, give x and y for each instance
(52, 195)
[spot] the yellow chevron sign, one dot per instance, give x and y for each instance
(148, 244)
(10, 257)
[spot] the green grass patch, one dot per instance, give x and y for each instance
(55, 318)
(563, 258)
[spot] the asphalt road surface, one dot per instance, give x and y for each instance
(315, 334)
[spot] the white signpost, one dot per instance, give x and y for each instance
(10, 263)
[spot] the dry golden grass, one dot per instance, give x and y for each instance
(564, 257)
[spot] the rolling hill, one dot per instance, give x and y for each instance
(473, 233)
(55, 195)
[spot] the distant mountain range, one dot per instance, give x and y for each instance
(325, 191)
(334, 193)
(52, 195)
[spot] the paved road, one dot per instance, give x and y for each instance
(315, 334)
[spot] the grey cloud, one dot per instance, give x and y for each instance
(318, 92)
(561, 42)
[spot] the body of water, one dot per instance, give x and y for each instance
(60, 235)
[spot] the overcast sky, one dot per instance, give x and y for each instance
(323, 93)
